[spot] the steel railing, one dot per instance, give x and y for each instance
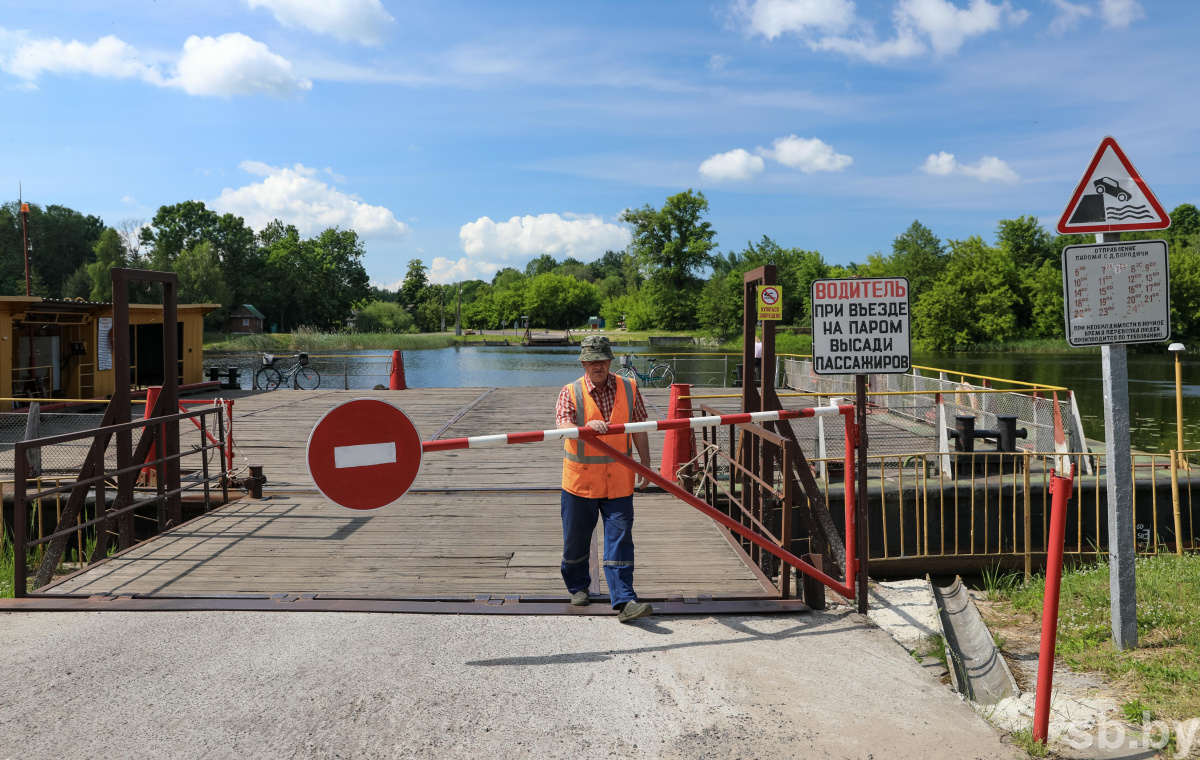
(159, 507)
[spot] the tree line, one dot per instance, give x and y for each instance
(671, 276)
(293, 280)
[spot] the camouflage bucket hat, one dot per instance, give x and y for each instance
(595, 348)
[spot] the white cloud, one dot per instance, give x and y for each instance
(947, 26)
(583, 236)
(771, 18)
(363, 21)
(129, 200)
(296, 196)
(107, 57)
(736, 164)
(232, 64)
(718, 62)
(920, 25)
(807, 155)
(988, 169)
(1068, 16)
(1119, 14)
(446, 270)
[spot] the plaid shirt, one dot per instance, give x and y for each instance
(605, 398)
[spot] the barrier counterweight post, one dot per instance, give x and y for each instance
(396, 380)
(1060, 490)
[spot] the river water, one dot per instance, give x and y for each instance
(1151, 377)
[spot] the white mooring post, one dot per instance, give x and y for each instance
(1119, 486)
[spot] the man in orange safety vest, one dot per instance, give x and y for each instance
(598, 487)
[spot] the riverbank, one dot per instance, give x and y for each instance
(317, 341)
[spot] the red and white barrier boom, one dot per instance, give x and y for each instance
(366, 454)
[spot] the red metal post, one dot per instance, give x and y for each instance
(150, 474)
(1060, 490)
(396, 381)
(848, 481)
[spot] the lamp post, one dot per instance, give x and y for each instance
(1177, 348)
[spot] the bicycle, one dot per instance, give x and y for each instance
(656, 376)
(268, 377)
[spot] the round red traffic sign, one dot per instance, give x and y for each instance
(364, 454)
(770, 295)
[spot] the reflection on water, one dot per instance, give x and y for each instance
(1151, 377)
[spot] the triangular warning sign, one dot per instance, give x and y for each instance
(1112, 197)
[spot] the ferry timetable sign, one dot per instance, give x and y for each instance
(861, 326)
(1117, 293)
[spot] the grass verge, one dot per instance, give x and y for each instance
(7, 559)
(1163, 674)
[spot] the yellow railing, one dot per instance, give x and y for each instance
(919, 511)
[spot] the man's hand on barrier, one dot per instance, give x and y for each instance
(600, 426)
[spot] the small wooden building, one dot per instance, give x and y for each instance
(71, 351)
(247, 320)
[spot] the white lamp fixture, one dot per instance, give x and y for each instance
(1175, 347)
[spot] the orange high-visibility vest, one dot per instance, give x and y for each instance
(585, 473)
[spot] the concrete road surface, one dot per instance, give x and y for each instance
(335, 685)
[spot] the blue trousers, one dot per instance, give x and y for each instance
(579, 516)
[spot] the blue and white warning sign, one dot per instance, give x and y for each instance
(861, 326)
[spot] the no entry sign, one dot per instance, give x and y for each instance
(861, 326)
(364, 454)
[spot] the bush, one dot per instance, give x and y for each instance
(383, 317)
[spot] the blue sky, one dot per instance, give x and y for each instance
(479, 135)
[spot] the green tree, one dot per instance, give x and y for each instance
(1044, 293)
(201, 280)
(61, 240)
(632, 309)
(180, 227)
(555, 301)
(917, 254)
(1026, 242)
(415, 282)
(543, 264)
(78, 285)
(383, 317)
(509, 279)
(109, 252)
(673, 245)
(1184, 262)
(972, 302)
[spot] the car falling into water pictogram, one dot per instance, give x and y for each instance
(1105, 185)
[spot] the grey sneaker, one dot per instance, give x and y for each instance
(581, 599)
(633, 611)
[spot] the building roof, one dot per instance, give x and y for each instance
(253, 311)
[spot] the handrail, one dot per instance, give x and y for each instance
(887, 393)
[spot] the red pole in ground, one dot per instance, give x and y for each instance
(1060, 490)
(678, 445)
(396, 382)
(150, 474)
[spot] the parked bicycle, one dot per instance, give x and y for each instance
(656, 376)
(303, 376)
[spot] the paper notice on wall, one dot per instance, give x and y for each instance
(104, 326)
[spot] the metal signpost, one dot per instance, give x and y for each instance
(1116, 293)
(861, 325)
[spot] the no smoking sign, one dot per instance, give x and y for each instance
(770, 302)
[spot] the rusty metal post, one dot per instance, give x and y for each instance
(860, 413)
(120, 405)
(170, 389)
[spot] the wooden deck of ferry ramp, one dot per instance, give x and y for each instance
(477, 522)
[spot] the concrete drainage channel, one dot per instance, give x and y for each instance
(939, 622)
(977, 669)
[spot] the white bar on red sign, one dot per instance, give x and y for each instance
(364, 455)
